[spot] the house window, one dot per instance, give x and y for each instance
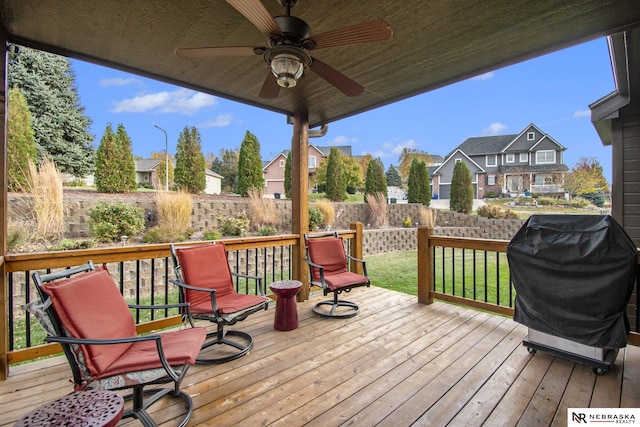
(511, 158)
(524, 157)
(492, 160)
(545, 156)
(542, 179)
(458, 160)
(491, 180)
(281, 163)
(312, 161)
(531, 136)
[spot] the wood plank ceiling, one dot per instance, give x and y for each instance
(434, 43)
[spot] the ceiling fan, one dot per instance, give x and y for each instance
(289, 45)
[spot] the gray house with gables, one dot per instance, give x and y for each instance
(528, 162)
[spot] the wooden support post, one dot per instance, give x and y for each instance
(425, 266)
(4, 292)
(357, 250)
(300, 198)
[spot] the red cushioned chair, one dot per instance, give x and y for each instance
(206, 282)
(83, 310)
(329, 270)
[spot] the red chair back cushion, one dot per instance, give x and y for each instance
(90, 305)
(205, 267)
(329, 253)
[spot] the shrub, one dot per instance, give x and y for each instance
(267, 230)
(164, 234)
(109, 221)
(378, 209)
(490, 195)
(234, 226)
(488, 211)
(579, 202)
(263, 211)
(597, 198)
(406, 223)
(547, 201)
(145, 185)
(212, 235)
(70, 245)
(315, 218)
(428, 217)
(76, 182)
(328, 211)
(174, 210)
(18, 232)
(45, 186)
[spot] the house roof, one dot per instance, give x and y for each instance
(146, 165)
(533, 168)
(480, 145)
(433, 45)
(326, 150)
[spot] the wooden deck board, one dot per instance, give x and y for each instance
(397, 363)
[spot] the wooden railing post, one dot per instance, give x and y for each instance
(357, 245)
(425, 266)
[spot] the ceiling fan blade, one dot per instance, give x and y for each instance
(336, 78)
(259, 16)
(368, 31)
(270, 87)
(213, 52)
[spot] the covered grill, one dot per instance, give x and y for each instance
(573, 275)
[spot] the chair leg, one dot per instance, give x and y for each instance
(335, 304)
(140, 404)
(220, 338)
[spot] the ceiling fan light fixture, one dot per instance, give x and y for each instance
(287, 68)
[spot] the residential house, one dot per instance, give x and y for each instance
(146, 174)
(273, 170)
(528, 162)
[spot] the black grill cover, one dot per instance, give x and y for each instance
(574, 275)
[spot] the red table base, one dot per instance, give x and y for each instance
(286, 317)
(97, 408)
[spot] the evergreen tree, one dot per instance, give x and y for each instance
(127, 167)
(376, 181)
(418, 183)
(227, 166)
(336, 186)
(189, 173)
(61, 129)
(106, 178)
(249, 165)
(393, 177)
(288, 182)
(21, 147)
(461, 199)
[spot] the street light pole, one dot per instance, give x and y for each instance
(166, 159)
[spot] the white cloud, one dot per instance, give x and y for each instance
(182, 101)
(494, 129)
(221, 121)
(485, 76)
(582, 113)
(120, 81)
(392, 148)
(342, 139)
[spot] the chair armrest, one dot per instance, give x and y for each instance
(186, 313)
(89, 341)
(363, 262)
(212, 293)
(320, 268)
(263, 291)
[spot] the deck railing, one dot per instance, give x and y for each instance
(466, 271)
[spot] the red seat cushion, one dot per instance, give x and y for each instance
(207, 267)
(329, 253)
(344, 280)
(90, 305)
(179, 347)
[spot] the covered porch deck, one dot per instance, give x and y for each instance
(397, 363)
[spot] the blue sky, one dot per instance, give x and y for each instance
(552, 91)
